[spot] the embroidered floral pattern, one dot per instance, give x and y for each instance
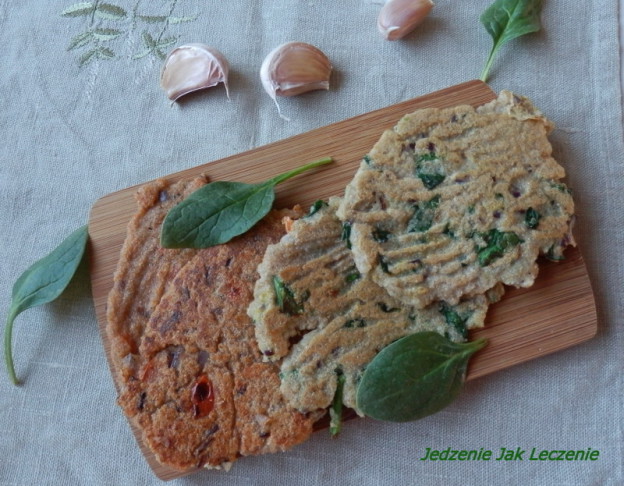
(108, 24)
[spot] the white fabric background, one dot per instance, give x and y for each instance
(73, 134)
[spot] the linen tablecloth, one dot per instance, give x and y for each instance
(82, 115)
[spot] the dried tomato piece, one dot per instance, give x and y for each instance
(202, 397)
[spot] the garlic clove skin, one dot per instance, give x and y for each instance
(397, 18)
(192, 67)
(294, 68)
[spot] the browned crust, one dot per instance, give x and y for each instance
(143, 261)
(175, 316)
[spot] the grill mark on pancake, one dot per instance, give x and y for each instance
(482, 190)
(347, 322)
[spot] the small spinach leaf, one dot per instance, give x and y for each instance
(416, 376)
(43, 282)
(505, 20)
(219, 211)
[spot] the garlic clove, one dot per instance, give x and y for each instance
(192, 67)
(397, 18)
(294, 68)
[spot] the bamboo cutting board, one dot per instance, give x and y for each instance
(554, 314)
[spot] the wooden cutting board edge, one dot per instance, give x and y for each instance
(508, 342)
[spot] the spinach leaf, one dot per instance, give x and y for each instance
(423, 216)
(358, 322)
(453, 319)
(531, 218)
(219, 211)
(415, 376)
(353, 276)
(387, 309)
(507, 19)
(346, 234)
(380, 235)
(429, 169)
(316, 207)
(43, 282)
(497, 243)
(427, 156)
(555, 253)
(335, 411)
(561, 187)
(384, 264)
(285, 298)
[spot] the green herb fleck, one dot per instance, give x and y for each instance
(426, 157)
(429, 169)
(383, 263)
(385, 308)
(285, 298)
(346, 234)
(43, 282)
(335, 411)
(497, 243)
(448, 231)
(531, 218)
(424, 214)
(359, 322)
(453, 319)
(316, 207)
(431, 180)
(380, 236)
(505, 20)
(553, 255)
(368, 159)
(353, 276)
(561, 187)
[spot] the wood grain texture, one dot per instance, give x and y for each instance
(554, 314)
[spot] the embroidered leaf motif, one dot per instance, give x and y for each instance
(149, 40)
(110, 12)
(98, 52)
(105, 53)
(81, 9)
(142, 54)
(153, 19)
(96, 34)
(155, 45)
(80, 40)
(106, 34)
(169, 41)
(179, 20)
(86, 57)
